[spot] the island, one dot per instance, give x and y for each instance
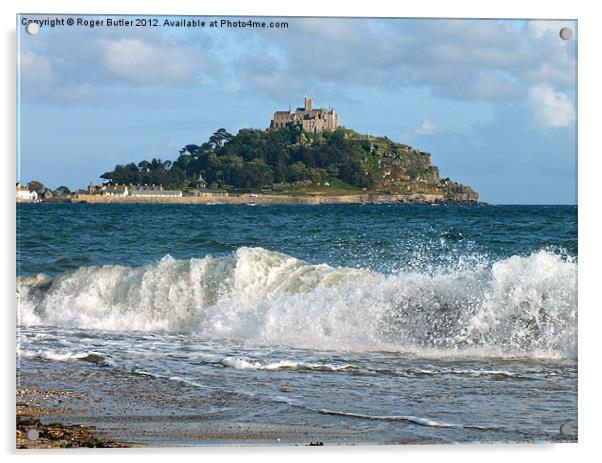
(304, 157)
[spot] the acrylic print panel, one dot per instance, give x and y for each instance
(295, 231)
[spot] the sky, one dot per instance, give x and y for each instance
(493, 101)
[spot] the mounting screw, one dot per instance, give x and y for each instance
(32, 28)
(566, 429)
(566, 33)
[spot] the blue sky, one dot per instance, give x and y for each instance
(493, 101)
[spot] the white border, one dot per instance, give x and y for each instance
(590, 152)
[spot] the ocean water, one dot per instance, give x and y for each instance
(450, 323)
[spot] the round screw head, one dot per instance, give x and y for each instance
(33, 434)
(566, 429)
(32, 28)
(566, 33)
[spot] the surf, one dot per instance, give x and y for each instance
(522, 306)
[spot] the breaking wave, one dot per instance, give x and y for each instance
(523, 306)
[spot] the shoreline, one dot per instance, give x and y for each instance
(82, 404)
(263, 199)
(36, 413)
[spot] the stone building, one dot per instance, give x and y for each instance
(310, 119)
(108, 190)
(153, 191)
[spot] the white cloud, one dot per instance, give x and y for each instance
(334, 29)
(264, 72)
(459, 59)
(480, 60)
(551, 108)
(35, 67)
(561, 72)
(543, 27)
(426, 127)
(139, 62)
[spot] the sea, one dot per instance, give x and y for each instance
(450, 323)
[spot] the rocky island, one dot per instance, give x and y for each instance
(304, 157)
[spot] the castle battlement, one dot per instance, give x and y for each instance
(309, 119)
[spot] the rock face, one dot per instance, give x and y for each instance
(403, 170)
(457, 193)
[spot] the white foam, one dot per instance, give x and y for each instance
(523, 306)
(247, 364)
(477, 373)
(95, 357)
(406, 418)
(179, 379)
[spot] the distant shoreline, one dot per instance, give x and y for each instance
(263, 199)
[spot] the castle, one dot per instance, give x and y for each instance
(308, 118)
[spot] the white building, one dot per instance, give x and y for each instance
(24, 195)
(115, 190)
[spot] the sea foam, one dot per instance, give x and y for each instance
(521, 306)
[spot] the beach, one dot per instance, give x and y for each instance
(122, 410)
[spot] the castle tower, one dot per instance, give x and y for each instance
(309, 104)
(309, 118)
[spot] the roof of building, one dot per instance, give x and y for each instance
(145, 187)
(154, 192)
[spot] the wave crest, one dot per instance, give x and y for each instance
(520, 306)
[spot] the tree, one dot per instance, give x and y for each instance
(62, 191)
(36, 186)
(144, 166)
(219, 137)
(256, 158)
(298, 172)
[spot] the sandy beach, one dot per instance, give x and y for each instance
(83, 405)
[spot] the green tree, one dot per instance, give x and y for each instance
(36, 186)
(62, 191)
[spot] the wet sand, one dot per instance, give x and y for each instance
(36, 408)
(83, 405)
